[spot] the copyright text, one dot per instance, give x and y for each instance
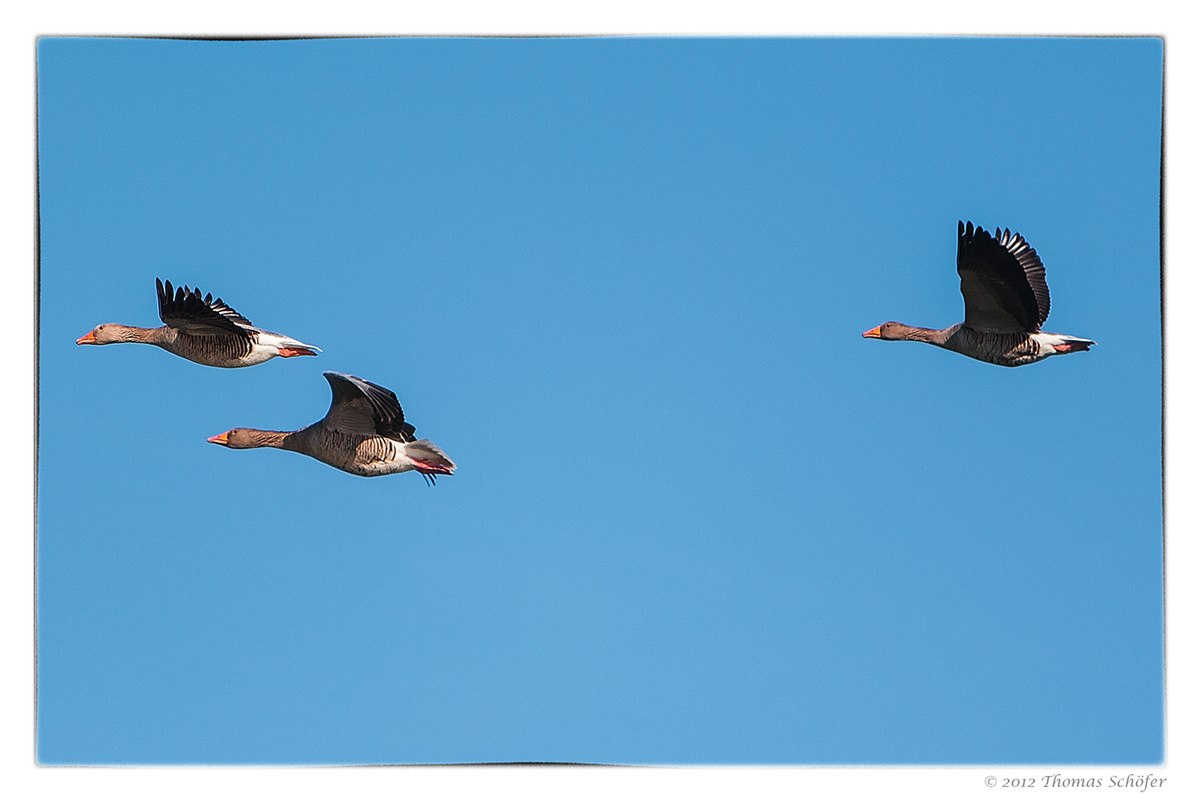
(1140, 782)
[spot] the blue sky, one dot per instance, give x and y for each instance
(698, 519)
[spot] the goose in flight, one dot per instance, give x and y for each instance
(1006, 298)
(363, 433)
(202, 330)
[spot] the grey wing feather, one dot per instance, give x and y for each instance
(360, 407)
(187, 310)
(1003, 281)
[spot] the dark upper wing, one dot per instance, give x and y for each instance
(360, 407)
(1003, 281)
(194, 314)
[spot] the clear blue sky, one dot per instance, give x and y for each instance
(698, 519)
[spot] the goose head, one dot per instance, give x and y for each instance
(889, 330)
(240, 438)
(106, 334)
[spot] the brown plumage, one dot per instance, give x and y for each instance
(1006, 300)
(364, 433)
(202, 330)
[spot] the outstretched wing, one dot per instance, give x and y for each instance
(360, 407)
(1003, 281)
(192, 313)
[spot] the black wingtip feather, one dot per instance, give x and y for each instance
(1011, 261)
(185, 304)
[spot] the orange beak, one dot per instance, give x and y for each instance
(873, 333)
(87, 339)
(220, 439)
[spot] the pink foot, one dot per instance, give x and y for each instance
(430, 469)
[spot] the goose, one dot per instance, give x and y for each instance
(1006, 298)
(202, 330)
(363, 433)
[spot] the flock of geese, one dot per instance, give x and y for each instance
(1003, 286)
(363, 432)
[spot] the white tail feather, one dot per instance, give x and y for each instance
(429, 457)
(270, 338)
